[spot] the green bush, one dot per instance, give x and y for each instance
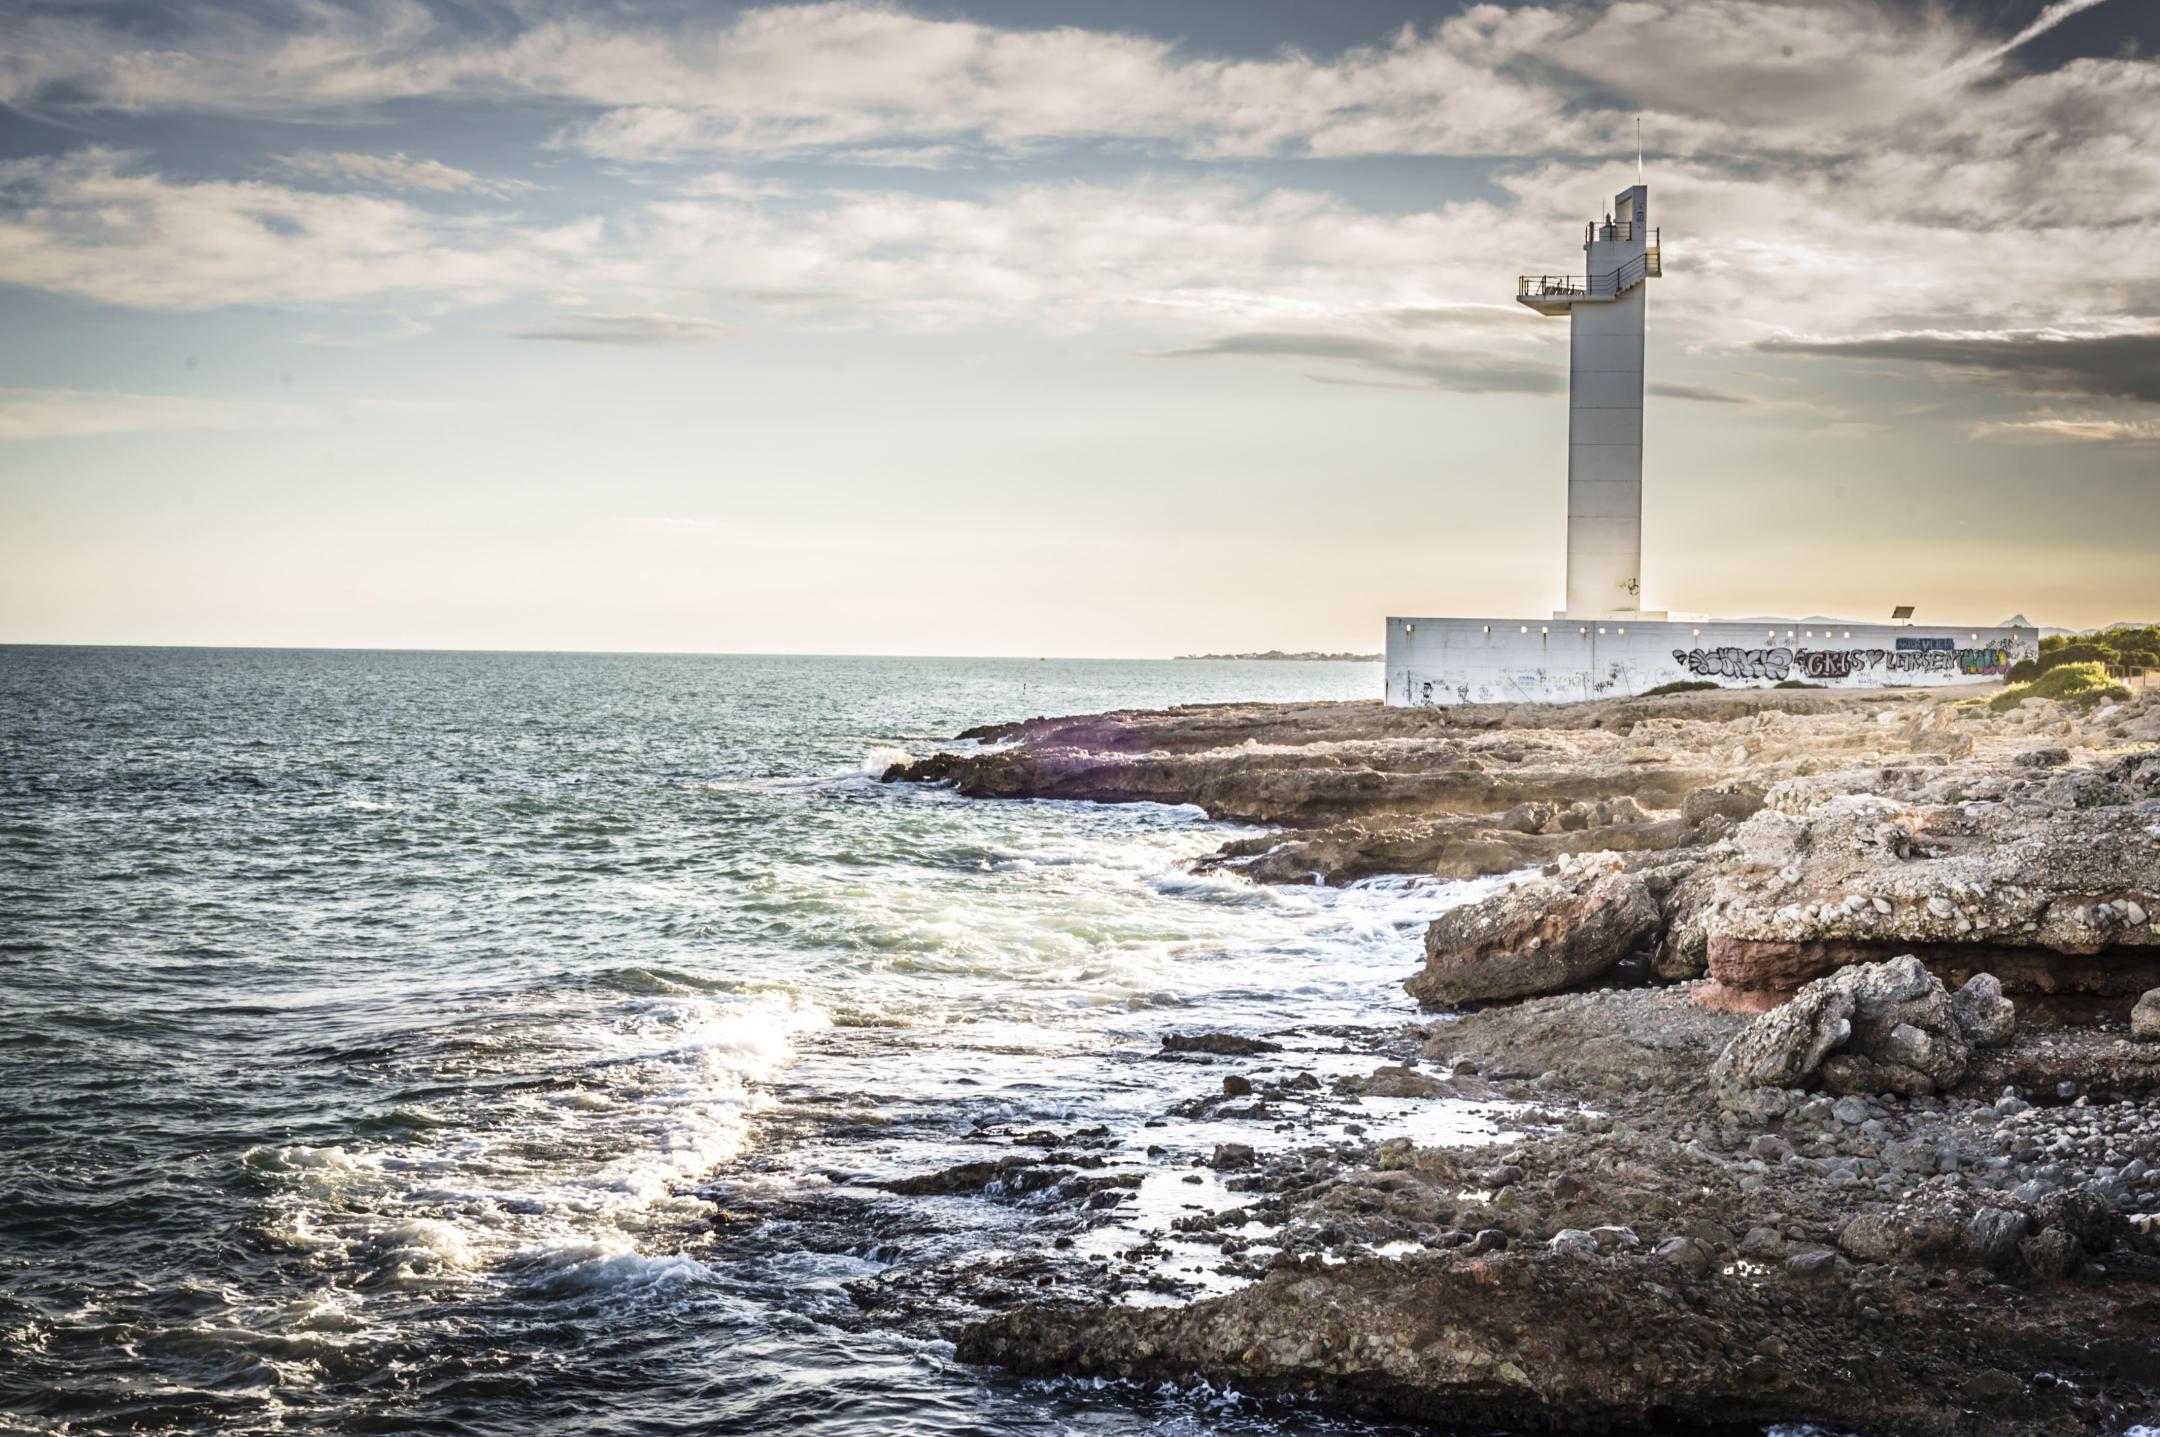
(1794, 684)
(2076, 653)
(2024, 671)
(2120, 648)
(1680, 686)
(2082, 684)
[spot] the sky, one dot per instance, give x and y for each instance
(1088, 328)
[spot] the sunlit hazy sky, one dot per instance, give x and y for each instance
(1061, 328)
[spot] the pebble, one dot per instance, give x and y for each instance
(1820, 1262)
(1573, 1242)
(1687, 1253)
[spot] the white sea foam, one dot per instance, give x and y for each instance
(883, 757)
(421, 1244)
(600, 1266)
(558, 1177)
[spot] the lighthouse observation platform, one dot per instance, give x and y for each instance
(1556, 294)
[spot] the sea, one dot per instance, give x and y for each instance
(389, 1037)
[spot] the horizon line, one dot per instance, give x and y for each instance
(651, 653)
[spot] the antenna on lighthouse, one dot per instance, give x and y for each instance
(1638, 149)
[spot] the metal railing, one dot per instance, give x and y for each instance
(1616, 230)
(1647, 265)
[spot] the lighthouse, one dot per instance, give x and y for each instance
(1604, 644)
(1604, 306)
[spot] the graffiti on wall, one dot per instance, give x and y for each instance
(1733, 663)
(1781, 663)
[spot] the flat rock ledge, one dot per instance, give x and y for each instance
(1581, 1343)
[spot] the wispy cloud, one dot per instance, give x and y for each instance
(1464, 372)
(1697, 393)
(97, 224)
(2045, 21)
(2086, 430)
(395, 172)
(2123, 364)
(28, 414)
(1410, 366)
(627, 329)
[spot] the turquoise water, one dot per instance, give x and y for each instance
(385, 1029)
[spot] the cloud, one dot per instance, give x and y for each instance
(1699, 393)
(2080, 430)
(1409, 366)
(1712, 78)
(1463, 372)
(729, 185)
(2045, 21)
(27, 414)
(2108, 365)
(647, 329)
(93, 224)
(1793, 198)
(395, 172)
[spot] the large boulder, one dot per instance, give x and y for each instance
(1869, 1028)
(1541, 935)
(2145, 1018)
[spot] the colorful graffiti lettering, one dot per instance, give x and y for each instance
(1735, 663)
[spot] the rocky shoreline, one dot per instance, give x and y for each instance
(1809, 1043)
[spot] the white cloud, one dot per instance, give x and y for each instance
(2085, 430)
(84, 413)
(1712, 77)
(632, 329)
(395, 172)
(1837, 169)
(94, 224)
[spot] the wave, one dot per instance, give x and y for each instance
(564, 1166)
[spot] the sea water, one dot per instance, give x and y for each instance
(384, 1031)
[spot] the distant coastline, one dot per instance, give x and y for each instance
(1308, 655)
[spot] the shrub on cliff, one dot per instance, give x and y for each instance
(2081, 684)
(2118, 648)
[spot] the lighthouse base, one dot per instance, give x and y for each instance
(1448, 661)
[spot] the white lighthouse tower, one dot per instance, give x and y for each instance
(1604, 305)
(1604, 644)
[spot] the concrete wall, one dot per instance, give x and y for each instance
(1452, 661)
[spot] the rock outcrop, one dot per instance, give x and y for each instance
(2052, 893)
(1564, 1340)
(1782, 835)
(1870, 1028)
(1541, 935)
(1844, 1179)
(1629, 1254)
